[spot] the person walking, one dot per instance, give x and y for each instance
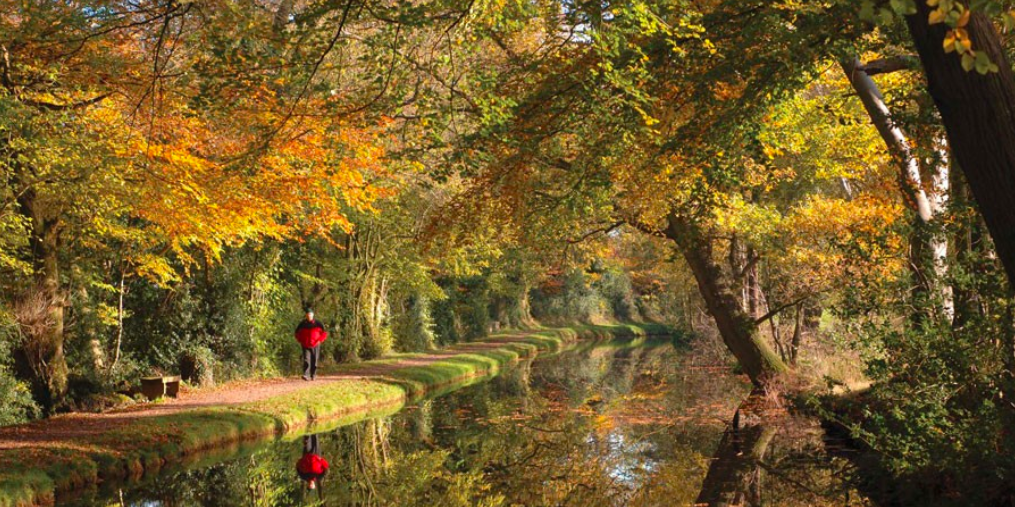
(310, 333)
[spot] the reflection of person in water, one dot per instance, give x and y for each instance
(312, 467)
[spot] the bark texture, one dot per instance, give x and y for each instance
(722, 298)
(40, 310)
(978, 112)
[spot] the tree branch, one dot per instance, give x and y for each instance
(42, 104)
(889, 65)
(775, 311)
(605, 230)
(643, 227)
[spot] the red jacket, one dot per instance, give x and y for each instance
(312, 465)
(310, 334)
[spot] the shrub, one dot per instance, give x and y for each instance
(16, 402)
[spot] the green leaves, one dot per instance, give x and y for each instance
(874, 12)
(978, 60)
(904, 7)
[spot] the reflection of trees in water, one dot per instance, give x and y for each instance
(602, 372)
(599, 426)
(514, 382)
(420, 422)
(734, 477)
(265, 478)
(558, 454)
(778, 460)
(359, 453)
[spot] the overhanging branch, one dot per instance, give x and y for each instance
(52, 106)
(892, 64)
(605, 230)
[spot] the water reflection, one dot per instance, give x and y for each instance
(606, 425)
(311, 467)
(769, 456)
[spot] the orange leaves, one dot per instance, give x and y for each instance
(957, 40)
(209, 181)
(828, 239)
(728, 91)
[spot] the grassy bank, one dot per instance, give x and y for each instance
(31, 476)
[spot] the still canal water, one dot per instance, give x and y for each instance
(609, 424)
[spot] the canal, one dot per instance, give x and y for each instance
(618, 423)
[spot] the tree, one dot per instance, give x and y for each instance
(929, 271)
(739, 330)
(125, 126)
(977, 109)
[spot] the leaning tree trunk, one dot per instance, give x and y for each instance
(978, 112)
(738, 330)
(891, 133)
(928, 245)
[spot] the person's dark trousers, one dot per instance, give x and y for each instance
(310, 357)
(311, 445)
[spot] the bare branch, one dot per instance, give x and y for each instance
(42, 104)
(892, 64)
(775, 311)
(605, 230)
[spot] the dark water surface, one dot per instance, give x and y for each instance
(610, 424)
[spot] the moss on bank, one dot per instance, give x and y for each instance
(33, 476)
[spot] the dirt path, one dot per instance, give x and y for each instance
(69, 430)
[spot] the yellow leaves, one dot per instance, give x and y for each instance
(771, 151)
(647, 118)
(155, 268)
(954, 13)
(709, 46)
(754, 222)
(957, 40)
(830, 238)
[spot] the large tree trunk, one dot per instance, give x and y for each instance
(978, 112)
(41, 314)
(738, 330)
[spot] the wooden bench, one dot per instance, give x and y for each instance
(157, 387)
